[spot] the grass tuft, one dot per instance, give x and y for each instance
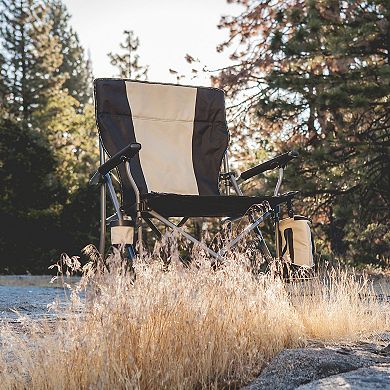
(182, 327)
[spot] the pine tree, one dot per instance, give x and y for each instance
(74, 65)
(71, 133)
(32, 57)
(48, 90)
(14, 43)
(315, 76)
(29, 196)
(128, 63)
(67, 116)
(48, 143)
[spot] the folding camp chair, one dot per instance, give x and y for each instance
(168, 144)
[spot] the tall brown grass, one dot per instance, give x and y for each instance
(188, 327)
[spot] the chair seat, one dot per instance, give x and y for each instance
(172, 205)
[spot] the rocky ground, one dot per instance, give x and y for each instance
(359, 366)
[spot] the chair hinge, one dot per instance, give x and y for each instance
(226, 178)
(142, 207)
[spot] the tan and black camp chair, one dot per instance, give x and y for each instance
(168, 144)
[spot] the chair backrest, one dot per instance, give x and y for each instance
(182, 131)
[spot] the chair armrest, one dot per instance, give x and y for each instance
(126, 153)
(276, 162)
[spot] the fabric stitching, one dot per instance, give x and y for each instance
(144, 118)
(160, 119)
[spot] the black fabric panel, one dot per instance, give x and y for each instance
(172, 205)
(115, 125)
(210, 139)
(210, 105)
(110, 97)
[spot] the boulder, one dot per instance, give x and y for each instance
(296, 367)
(369, 378)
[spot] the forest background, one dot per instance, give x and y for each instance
(308, 75)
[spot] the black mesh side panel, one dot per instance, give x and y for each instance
(114, 121)
(210, 139)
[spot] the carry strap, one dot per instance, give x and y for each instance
(289, 238)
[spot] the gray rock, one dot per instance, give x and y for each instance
(385, 336)
(296, 367)
(370, 378)
(385, 351)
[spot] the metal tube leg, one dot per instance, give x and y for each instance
(186, 235)
(263, 246)
(226, 170)
(130, 251)
(248, 229)
(111, 190)
(139, 230)
(102, 241)
(103, 215)
(278, 251)
(278, 254)
(277, 241)
(138, 203)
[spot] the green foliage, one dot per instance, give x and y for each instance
(375, 237)
(78, 71)
(48, 140)
(321, 84)
(32, 57)
(30, 196)
(71, 133)
(26, 169)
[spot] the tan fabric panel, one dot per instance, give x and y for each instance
(163, 118)
(303, 251)
(122, 235)
(159, 101)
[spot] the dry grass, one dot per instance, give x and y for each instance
(185, 328)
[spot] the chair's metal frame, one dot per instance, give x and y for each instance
(230, 181)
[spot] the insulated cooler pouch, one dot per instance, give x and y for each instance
(297, 245)
(122, 233)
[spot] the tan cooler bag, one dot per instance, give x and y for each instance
(296, 240)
